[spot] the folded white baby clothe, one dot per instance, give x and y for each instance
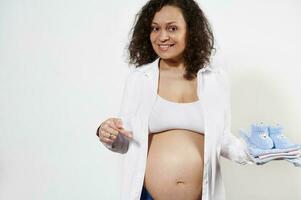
(272, 155)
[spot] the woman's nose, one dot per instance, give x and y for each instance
(163, 36)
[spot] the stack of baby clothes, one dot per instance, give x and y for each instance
(266, 143)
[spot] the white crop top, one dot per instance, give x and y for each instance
(167, 115)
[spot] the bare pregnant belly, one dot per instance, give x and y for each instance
(174, 168)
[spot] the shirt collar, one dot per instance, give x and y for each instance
(153, 68)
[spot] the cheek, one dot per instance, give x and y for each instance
(153, 44)
(183, 41)
(152, 38)
(183, 38)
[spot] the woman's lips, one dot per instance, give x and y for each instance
(165, 47)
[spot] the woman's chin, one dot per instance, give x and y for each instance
(169, 57)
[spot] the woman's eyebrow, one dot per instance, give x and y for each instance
(166, 23)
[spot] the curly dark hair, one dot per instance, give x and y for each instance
(200, 38)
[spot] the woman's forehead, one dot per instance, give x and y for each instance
(167, 15)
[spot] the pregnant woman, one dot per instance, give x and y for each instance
(174, 120)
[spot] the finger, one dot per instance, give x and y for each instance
(105, 137)
(120, 130)
(118, 122)
(126, 133)
(110, 136)
(109, 128)
(108, 132)
(112, 131)
(113, 126)
(106, 140)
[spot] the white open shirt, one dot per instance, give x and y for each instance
(139, 95)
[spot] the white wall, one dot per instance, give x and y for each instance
(62, 68)
(260, 43)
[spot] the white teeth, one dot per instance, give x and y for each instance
(164, 47)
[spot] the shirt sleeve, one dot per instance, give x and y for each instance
(232, 147)
(126, 112)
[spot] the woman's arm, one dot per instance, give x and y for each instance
(128, 104)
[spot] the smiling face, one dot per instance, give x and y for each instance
(168, 33)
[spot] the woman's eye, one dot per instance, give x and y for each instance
(173, 28)
(153, 29)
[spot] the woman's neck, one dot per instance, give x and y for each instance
(172, 65)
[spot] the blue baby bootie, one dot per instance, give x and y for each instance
(260, 136)
(280, 140)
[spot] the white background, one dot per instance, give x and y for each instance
(62, 69)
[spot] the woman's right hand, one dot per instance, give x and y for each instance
(110, 128)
